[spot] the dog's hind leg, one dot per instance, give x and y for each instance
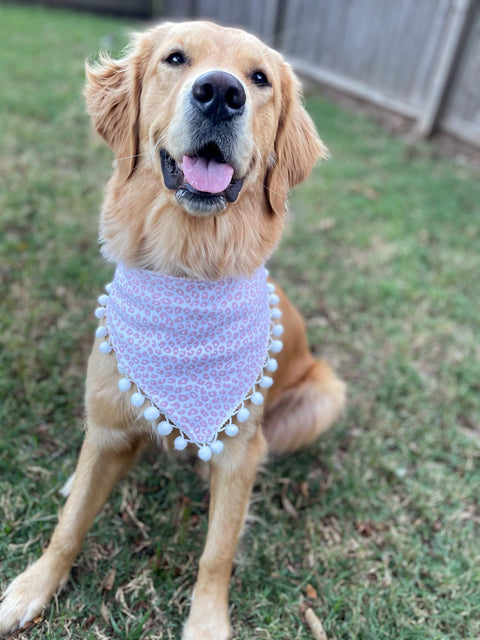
(306, 397)
(232, 477)
(304, 411)
(97, 472)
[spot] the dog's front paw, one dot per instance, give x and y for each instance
(27, 595)
(207, 628)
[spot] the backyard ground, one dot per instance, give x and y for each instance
(376, 527)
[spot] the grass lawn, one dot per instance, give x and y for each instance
(377, 527)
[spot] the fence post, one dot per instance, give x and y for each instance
(270, 22)
(448, 57)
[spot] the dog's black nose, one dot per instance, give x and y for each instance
(220, 95)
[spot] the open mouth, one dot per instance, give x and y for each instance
(203, 182)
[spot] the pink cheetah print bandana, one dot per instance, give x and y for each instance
(194, 350)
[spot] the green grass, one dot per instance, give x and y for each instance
(381, 254)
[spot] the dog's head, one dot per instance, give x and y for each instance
(209, 134)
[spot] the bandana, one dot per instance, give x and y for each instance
(195, 351)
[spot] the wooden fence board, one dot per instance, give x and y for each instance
(447, 59)
(463, 103)
(354, 88)
(432, 49)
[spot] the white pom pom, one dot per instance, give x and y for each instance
(278, 330)
(276, 346)
(105, 347)
(274, 299)
(205, 453)
(137, 399)
(103, 300)
(100, 312)
(216, 447)
(101, 332)
(151, 413)
(243, 414)
(266, 382)
(257, 398)
(267, 272)
(180, 443)
(231, 430)
(124, 384)
(276, 313)
(272, 365)
(270, 287)
(164, 428)
(108, 287)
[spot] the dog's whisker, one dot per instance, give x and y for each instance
(136, 155)
(276, 193)
(256, 150)
(154, 149)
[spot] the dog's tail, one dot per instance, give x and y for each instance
(302, 412)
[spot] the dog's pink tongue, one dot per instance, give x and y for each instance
(207, 175)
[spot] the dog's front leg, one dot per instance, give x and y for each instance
(97, 472)
(232, 477)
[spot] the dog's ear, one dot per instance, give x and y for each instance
(297, 145)
(112, 94)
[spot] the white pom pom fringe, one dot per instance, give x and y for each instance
(231, 430)
(277, 330)
(266, 382)
(216, 447)
(205, 453)
(137, 399)
(124, 384)
(180, 443)
(272, 365)
(105, 347)
(243, 414)
(151, 413)
(164, 428)
(276, 346)
(257, 398)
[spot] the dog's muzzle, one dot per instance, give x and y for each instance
(204, 179)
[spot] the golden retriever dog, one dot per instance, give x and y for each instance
(209, 134)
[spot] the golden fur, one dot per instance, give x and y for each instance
(138, 105)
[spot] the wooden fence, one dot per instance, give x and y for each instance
(419, 58)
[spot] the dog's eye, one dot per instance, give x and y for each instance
(176, 59)
(260, 79)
